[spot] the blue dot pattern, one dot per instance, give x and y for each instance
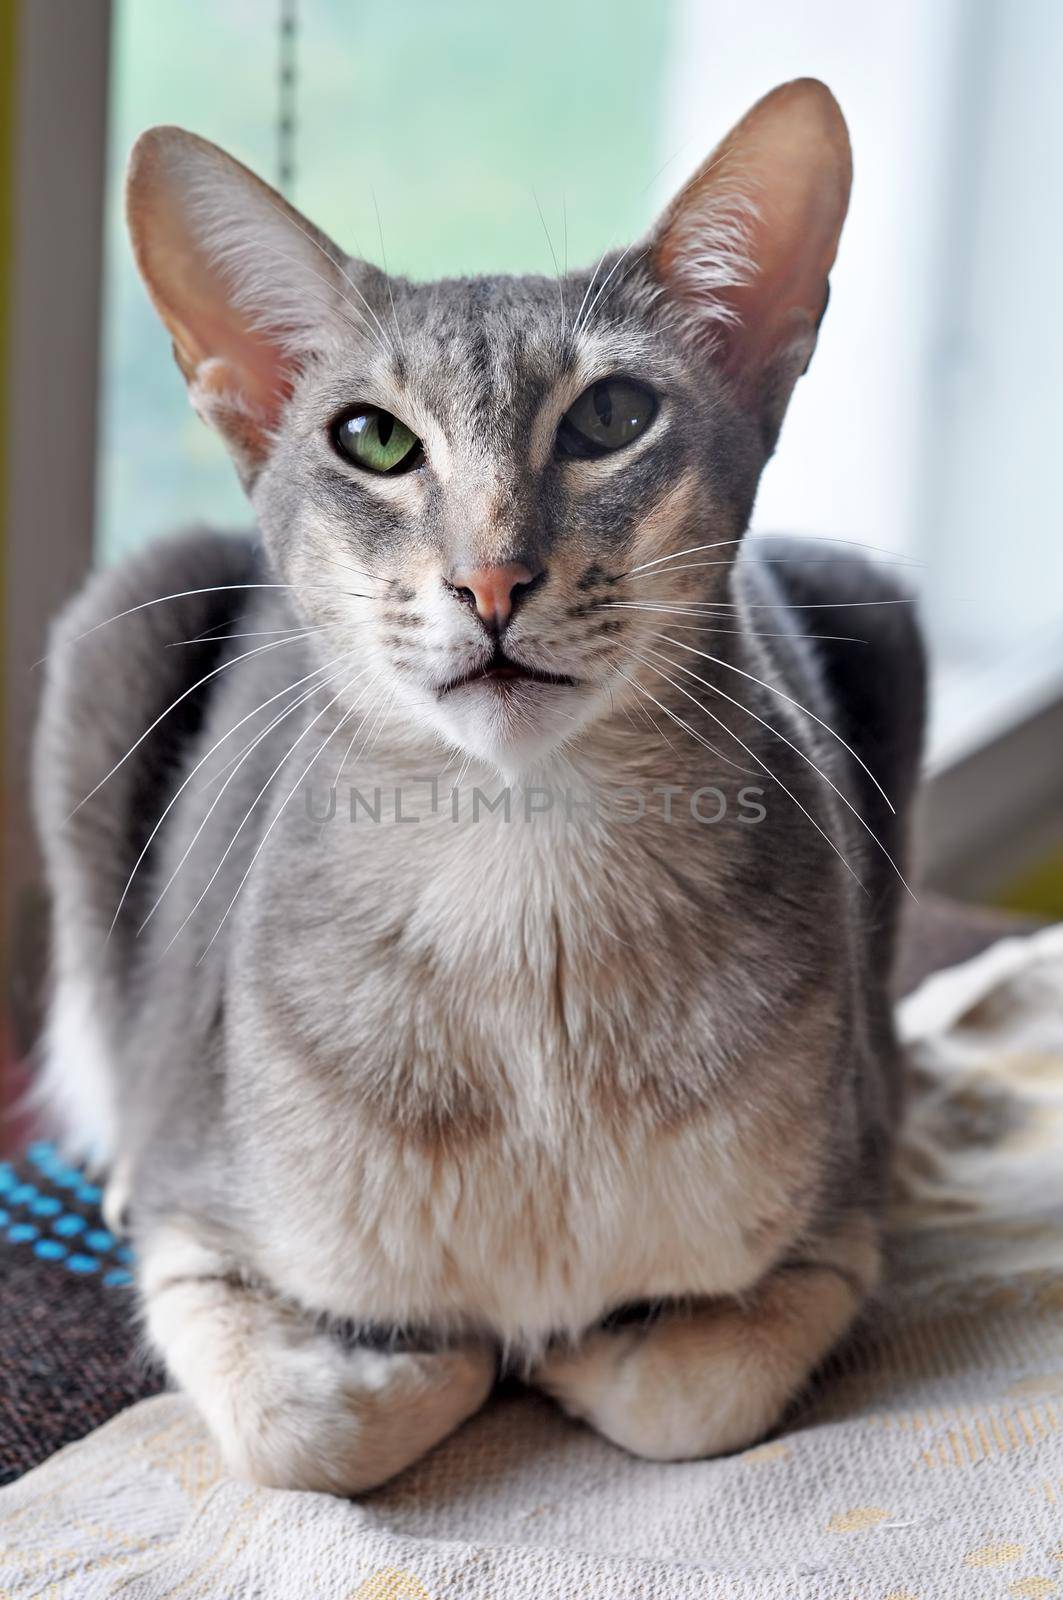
(52, 1226)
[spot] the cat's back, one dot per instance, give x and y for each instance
(124, 696)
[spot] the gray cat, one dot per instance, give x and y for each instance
(571, 1053)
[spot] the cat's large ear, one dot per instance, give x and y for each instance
(246, 286)
(744, 250)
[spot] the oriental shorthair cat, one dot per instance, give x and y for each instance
(591, 1077)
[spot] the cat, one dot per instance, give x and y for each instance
(597, 1085)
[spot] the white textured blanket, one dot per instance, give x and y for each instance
(929, 1467)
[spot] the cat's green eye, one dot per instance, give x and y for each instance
(606, 417)
(377, 441)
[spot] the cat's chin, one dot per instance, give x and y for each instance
(514, 728)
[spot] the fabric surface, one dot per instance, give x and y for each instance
(68, 1357)
(926, 1465)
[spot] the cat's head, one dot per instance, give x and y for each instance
(480, 485)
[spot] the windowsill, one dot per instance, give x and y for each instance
(992, 803)
(975, 703)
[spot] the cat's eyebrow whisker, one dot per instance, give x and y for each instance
(590, 286)
(607, 280)
(283, 805)
(275, 644)
(387, 277)
(715, 689)
(746, 633)
(247, 814)
(198, 767)
(720, 544)
(764, 767)
(348, 280)
(328, 302)
(557, 269)
(797, 704)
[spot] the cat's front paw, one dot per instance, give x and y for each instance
(714, 1379)
(342, 1422)
(311, 1415)
(289, 1406)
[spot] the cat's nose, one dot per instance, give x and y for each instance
(496, 592)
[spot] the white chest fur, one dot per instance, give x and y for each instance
(513, 1111)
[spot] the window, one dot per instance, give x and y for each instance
(447, 138)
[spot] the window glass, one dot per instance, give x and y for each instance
(447, 138)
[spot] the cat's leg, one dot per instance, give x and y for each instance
(717, 1377)
(289, 1406)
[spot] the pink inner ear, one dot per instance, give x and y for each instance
(218, 347)
(244, 362)
(209, 328)
(779, 182)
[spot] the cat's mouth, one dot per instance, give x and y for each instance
(503, 673)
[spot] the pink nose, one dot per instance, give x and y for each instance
(494, 591)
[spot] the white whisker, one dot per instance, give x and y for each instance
(762, 764)
(180, 594)
(798, 751)
(607, 280)
(557, 269)
(360, 572)
(276, 644)
(199, 764)
(694, 607)
(771, 561)
(347, 753)
(654, 727)
(387, 277)
(719, 544)
(673, 716)
(348, 280)
(247, 814)
(741, 672)
(746, 633)
(281, 808)
(253, 633)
